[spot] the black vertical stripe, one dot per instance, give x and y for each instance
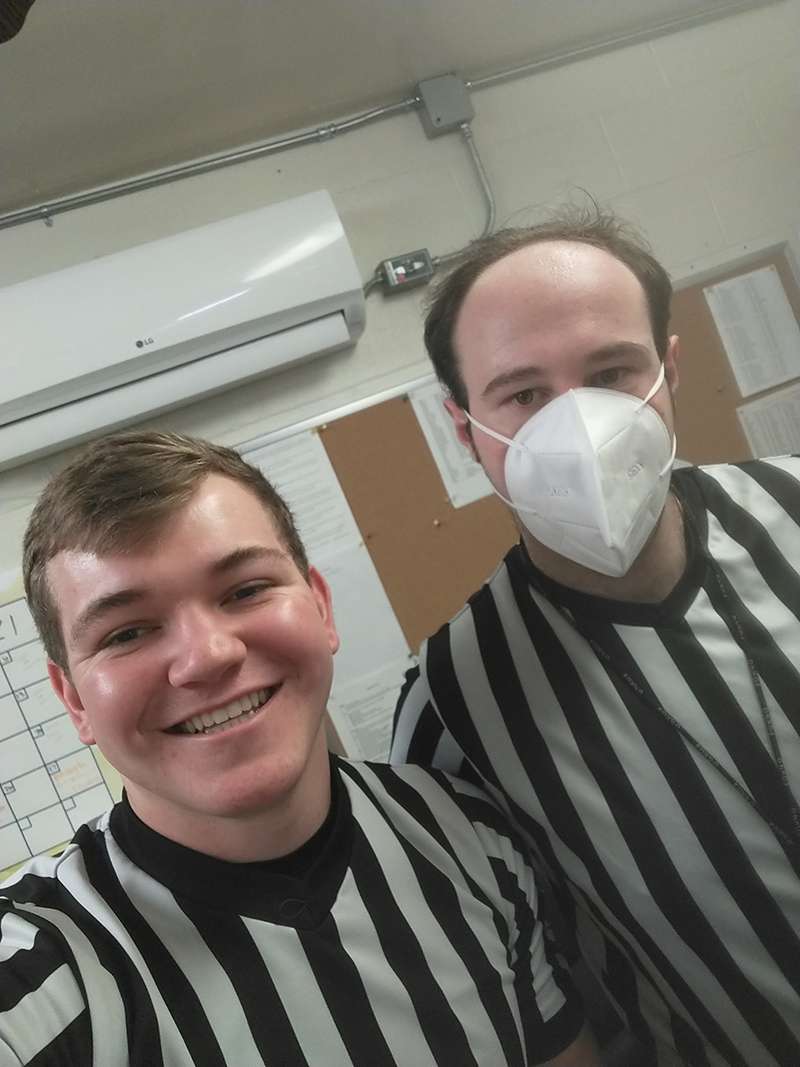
(411, 800)
(652, 859)
(141, 1023)
(343, 990)
(511, 700)
(425, 739)
(687, 1043)
(232, 945)
(409, 681)
(757, 769)
(777, 657)
(620, 979)
(746, 529)
(771, 662)
(72, 1048)
(442, 898)
(31, 967)
(450, 702)
(776, 482)
(702, 811)
(440, 1025)
(524, 921)
(175, 988)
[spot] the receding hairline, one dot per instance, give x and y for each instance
(500, 267)
(544, 250)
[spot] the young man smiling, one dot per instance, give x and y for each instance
(628, 677)
(251, 900)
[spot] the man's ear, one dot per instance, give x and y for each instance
(322, 595)
(68, 695)
(671, 363)
(462, 425)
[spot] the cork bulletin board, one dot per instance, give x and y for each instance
(708, 427)
(431, 556)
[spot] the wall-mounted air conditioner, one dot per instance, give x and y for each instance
(115, 340)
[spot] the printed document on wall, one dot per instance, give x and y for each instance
(758, 329)
(771, 424)
(463, 477)
(50, 782)
(363, 711)
(371, 638)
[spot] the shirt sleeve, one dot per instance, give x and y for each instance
(419, 736)
(550, 1008)
(43, 1012)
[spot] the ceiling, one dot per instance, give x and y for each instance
(95, 91)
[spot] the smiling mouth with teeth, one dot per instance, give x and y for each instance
(214, 722)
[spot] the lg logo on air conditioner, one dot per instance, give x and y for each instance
(143, 342)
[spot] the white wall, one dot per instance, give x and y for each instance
(694, 136)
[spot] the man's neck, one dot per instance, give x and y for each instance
(270, 833)
(654, 574)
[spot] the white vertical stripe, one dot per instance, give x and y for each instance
(42, 1015)
(388, 997)
(445, 964)
(106, 1010)
(203, 971)
(109, 1026)
(302, 999)
(745, 491)
(15, 936)
(412, 710)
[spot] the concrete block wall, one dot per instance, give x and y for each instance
(694, 136)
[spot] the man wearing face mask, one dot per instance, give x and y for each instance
(627, 681)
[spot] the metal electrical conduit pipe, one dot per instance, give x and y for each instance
(441, 261)
(45, 212)
(547, 63)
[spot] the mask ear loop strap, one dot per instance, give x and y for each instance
(653, 390)
(654, 387)
(515, 444)
(512, 444)
(491, 433)
(668, 465)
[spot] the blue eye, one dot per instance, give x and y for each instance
(609, 377)
(247, 592)
(124, 637)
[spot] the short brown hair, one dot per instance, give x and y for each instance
(117, 493)
(583, 225)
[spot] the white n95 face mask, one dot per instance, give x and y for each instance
(588, 475)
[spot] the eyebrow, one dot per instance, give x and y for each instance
(101, 606)
(531, 371)
(122, 598)
(246, 554)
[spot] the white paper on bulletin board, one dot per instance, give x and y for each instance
(364, 709)
(462, 476)
(758, 329)
(370, 635)
(50, 782)
(771, 424)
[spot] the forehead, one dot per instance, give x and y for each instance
(550, 286)
(221, 516)
(558, 267)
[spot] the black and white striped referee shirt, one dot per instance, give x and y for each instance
(404, 933)
(685, 902)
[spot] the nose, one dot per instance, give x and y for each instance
(205, 649)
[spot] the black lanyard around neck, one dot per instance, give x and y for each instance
(790, 839)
